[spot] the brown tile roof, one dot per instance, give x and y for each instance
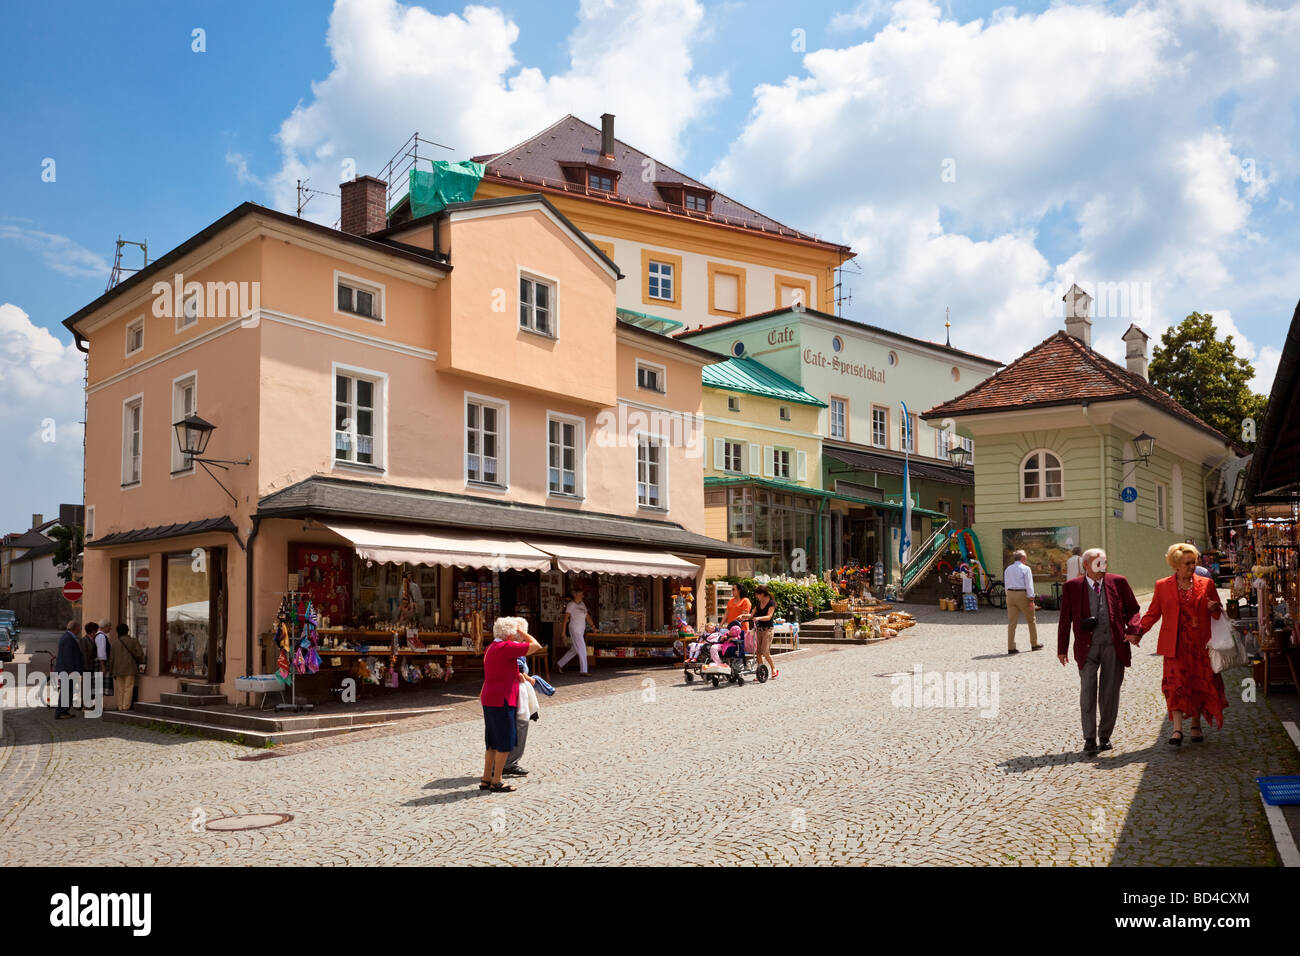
(539, 161)
(1063, 371)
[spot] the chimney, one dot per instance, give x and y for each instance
(363, 205)
(1136, 355)
(1077, 323)
(38, 520)
(607, 135)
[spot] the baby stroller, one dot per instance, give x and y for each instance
(738, 656)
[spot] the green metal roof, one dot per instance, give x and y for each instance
(754, 378)
(655, 323)
(717, 481)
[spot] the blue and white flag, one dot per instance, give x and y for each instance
(905, 536)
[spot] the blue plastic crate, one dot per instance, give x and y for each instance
(1279, 791)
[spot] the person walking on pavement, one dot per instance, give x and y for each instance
(763, 617)
(1019, 582)
(1103, 613)
(575, 625)
(125, 656)
(1074, 567)
(68, 666)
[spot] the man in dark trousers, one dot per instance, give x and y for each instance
(89, 655)
(69, 666)
(1104, 614)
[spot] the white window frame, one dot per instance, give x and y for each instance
(1042, 475)
(130, 327)
(790, 459)
(660, 370)
(969, 445)
(183, 319)
(377, 289)
(90, 522)
(579, 455)
(908, 425)
(532, 275)
(884, 431)
(662, 443)
(503, 442)
(659, 276)
(178, 466)
(942, 443)
(843, 434)
(739, 446)
(733, 403)
(136, 400)
(1160, 502)
(379, 418)
(783, 412)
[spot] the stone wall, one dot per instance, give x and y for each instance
(42, 608)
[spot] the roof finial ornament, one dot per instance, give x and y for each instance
(947, 326)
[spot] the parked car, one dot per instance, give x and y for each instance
(8, 641)
(11, 617)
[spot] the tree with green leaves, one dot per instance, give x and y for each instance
(65, 555)
(1206, 377)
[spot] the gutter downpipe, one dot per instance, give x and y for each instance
(1101, 465)
(248, 596)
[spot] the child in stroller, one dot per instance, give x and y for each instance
(730, 655)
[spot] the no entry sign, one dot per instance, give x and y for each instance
(142, 579)
(72, 591)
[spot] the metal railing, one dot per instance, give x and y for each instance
(915, 569)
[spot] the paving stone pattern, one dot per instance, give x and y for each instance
(817, 767)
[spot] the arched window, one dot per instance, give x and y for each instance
(1041, 477)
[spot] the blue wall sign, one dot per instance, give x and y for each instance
(1129, 494)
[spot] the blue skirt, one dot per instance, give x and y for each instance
(499, 723)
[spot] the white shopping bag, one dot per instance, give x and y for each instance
(1221, 633)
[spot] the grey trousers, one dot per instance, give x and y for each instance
(1099, 681)
(521, 738)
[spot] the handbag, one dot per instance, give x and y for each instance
(1221, 637)
(1222, 660)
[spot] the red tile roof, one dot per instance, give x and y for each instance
(1063, 371)
(538, 161)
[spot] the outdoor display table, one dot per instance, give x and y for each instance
(655, 648)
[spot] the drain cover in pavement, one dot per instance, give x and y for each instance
(249, 821)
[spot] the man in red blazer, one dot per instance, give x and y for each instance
(1104, 614)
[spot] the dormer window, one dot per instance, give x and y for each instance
(697, 202)
(685, 196)
(602, 181)
(597, 178)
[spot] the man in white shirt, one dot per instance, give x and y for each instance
(575, 623)
(101, 644)
(1074, 565)
(1019, 582)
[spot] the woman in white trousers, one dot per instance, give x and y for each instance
(575, 623)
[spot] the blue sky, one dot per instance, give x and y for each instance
(1145, 143)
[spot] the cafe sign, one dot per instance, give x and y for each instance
(839, 366)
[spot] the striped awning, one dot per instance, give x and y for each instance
(450, 548)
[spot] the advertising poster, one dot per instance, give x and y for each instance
(1047, 549)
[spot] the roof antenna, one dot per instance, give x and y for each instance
(947, 326)
(120, 271)
(305, 195)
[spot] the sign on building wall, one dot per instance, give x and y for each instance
(1046, 549)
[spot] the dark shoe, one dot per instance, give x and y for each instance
(503, 788)
(62, 716)
(1105, 745)
(484, 784)
(1013, 651)
(1197, 736)
(1175, 741)
(1089, 746)
(1037, 647)
(515, 772)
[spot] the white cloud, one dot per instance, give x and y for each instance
(60, 253)
(1264, 359)
(39, 419)
(943, 151)
(456, 80)
(239, 163)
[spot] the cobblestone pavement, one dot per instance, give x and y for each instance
(819, 766)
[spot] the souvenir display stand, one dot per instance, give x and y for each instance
(1264, 594)
(625, 603)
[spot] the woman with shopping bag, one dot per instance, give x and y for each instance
(1184, 604)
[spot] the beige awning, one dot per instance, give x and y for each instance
(585, 558)
(443, 547)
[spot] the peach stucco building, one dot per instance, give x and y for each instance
(432, 405)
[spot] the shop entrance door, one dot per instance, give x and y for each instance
(521, 596)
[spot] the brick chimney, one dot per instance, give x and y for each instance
(363, 205)
(1136, 355)
(38, 520)
(1077, 323)
(607, 135)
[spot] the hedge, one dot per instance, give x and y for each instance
(794, 602)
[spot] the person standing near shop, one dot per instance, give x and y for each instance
(527, 711)
(738, 609)
(1102, 611)
(70, 666)
(125, 656)
(500, 696)
(764, 615)
(575, 625)
(86, 640)
(101, 645)
(1019, 582)
(1074, 567)
(1183, 603)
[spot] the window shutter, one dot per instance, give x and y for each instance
(769, 453)
(803, 466)
(719, 454)
(753, 459)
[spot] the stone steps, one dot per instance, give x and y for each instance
(248, 737)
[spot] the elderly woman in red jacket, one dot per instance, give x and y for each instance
(500, 695)
(1184, 604)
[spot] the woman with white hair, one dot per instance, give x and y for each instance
(500, 695)
(1183, 604)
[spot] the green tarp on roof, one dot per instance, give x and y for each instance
(448, 182)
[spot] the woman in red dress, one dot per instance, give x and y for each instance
(1184, 604)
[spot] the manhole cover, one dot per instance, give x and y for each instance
(249, 821)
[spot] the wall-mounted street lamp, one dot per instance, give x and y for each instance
(959, 456)
(1144, 445)
(192, 434)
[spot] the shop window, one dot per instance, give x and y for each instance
(650, 473)
(485, 440)
(134, 337)
(356, 297)
(132, 608)
(563, 455)
(741, 511)
(185, 652)
(651, 377)
(358, 405)
(536, 305)
(184, 404)
(880, 426)
(132, 419)
(1041, 477)
(839, 418)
